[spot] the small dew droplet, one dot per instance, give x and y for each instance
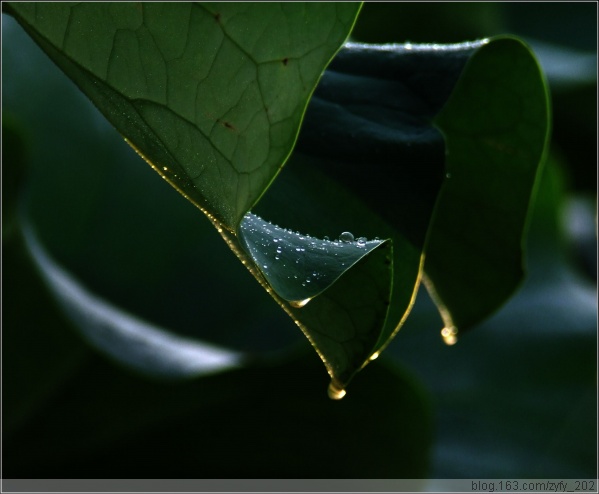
(374, 356)
(298, 304)
(361, 242)
(335, 392)
(448, 175)
(346, 237)
(450, 335)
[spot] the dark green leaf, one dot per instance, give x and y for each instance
(496, 127)
(369, 132)
(133, 342)
(517, 396)
(370, 162)
(261, 422)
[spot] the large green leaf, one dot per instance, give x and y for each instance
(496, 127)
(211, 94)
(218, 144)
(369, 142)
(317, 288)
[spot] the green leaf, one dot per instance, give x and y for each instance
(151, 261)
(129, 340)
(369, 144)
(414, 101)
(337, 292)
(106, 423)
(212, 95)
(496, 127)
(369, 132)
(522, 386)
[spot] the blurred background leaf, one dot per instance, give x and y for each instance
(516, 397)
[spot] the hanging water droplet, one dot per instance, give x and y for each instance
(298, 304)
(346, 237)
(335, 391)
(450, 335)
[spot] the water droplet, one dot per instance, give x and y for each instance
(346, 237)
(448, 175)
(374, 356)
(335, 391)
(298, 249)
(277, 258)
(275, 240)
(361, 242)
(298, 304)
(450, 335)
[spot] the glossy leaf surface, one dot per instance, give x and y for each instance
(496, 127)
(212, 104)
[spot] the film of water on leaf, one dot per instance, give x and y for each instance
(299, 267)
